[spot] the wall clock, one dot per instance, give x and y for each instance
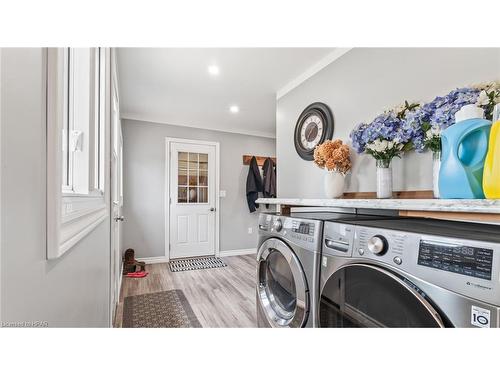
(314, 126)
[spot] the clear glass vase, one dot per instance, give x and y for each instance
(384, 178)
(436, 166)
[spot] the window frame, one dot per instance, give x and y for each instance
(76, 208)
(188, 184)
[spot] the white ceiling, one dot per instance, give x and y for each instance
(173, 86)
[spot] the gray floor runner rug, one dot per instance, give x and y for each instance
(190, 264)
(169, 309)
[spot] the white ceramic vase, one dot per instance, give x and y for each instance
(334, 184)
(436, 166)
(384, 179)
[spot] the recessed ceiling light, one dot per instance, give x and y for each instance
(213, 70)
(234, 109)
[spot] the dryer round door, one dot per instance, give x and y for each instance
(282, 287)
(364, 295)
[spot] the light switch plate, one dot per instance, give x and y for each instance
(222, 193)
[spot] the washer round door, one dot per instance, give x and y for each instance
(364, 295)
(282, 287)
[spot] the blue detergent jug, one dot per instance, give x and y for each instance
(464, 149)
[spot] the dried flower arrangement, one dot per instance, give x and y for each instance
(334, 156)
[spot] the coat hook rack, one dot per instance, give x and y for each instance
(260, 159)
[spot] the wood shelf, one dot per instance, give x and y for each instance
(415, 194)
(260, 159)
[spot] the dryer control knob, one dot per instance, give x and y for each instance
(277, 225)
(378, 245)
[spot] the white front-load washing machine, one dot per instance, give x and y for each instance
(410, 273)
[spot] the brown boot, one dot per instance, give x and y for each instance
(130, 264)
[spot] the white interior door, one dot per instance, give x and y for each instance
(116, 197)
(192, 221)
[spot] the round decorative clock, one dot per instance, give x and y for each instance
(314, 126)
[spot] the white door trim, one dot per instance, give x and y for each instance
(168, 142)
(111, 92)
(0, 185)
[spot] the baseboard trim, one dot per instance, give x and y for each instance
(153, 260)
(227, 253)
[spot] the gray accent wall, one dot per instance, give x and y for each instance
(144, 185)
(72, 291)
(360, 85)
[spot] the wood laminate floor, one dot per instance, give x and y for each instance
(220, 297)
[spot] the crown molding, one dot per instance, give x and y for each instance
(312, 70)
(141, 118)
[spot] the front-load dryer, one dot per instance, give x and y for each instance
(287, 265)
(410, 273)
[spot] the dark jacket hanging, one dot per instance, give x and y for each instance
(269, 183)
(254, 185)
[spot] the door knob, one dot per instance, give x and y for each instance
(212, 209)
(119, 218)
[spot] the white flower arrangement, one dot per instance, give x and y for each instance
(383, 146)
(434, 131)
(432, 138)
(489, 96)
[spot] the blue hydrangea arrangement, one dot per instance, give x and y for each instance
(388, 135)
(419, 126)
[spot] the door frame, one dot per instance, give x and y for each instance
(168, 142)
(112, 93)
(0, 184)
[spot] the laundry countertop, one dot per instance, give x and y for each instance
(445, 205)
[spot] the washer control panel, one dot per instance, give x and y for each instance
(304, 233)
(468, 267)
(303, 227)
(452, 257)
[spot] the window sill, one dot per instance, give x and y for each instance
(72, 231)
(72, 194)
(80, 216)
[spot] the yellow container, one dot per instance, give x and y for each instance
(491, 171)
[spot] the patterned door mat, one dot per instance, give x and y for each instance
(168, 309)
(190, 264)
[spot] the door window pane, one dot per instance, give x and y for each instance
(182, 194)
(182, 177)
(193, 161)
(203, 195)
(203, 178)
(193, 178)
(203, 162)
(193, 195)
(183, 160)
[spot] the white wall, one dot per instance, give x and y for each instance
(144, 185)
(74, 289)
(360, 85)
